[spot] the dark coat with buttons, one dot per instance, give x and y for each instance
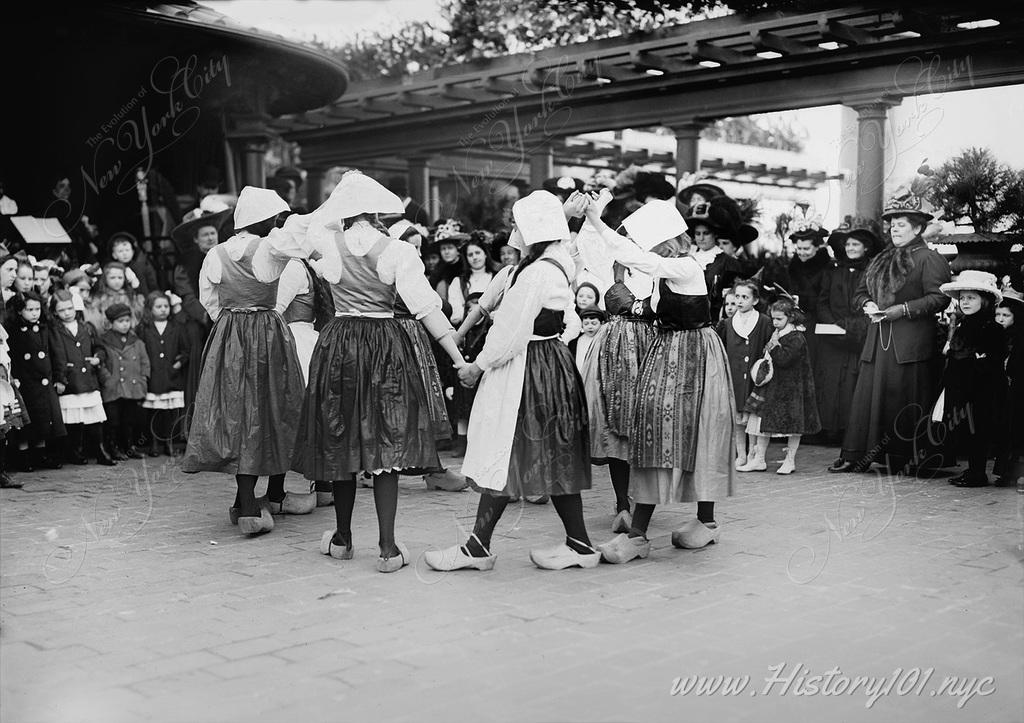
(128, 364)
(165, 349)
(742, 353)
(32, 366)
(70, 367)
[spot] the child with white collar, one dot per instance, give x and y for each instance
(787, 405)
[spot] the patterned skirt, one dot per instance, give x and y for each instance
(429, 374)
(247, 404)
(683, 448)
(365, 408)
(551, 447)
(626, 344)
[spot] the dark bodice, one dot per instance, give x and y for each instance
(681, 312)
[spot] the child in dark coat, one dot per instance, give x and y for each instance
(78, 376)
(32, 367)
(974, 380)
(744, 334)
(127, 383)
(1010, 440)
(786, 406)
(168, 347)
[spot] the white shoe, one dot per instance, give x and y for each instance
(787, 467)
(325, 499)
(740, 462)
(458, 558)
(755, 464)
(562, 556)
(622, 522)
(623, 548)
(695, 535)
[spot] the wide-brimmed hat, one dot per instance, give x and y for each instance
(215, 210)
(652, 185)
(715, 217)
(357, 194)
(707, 190)
(810, 233)
(971, 280)
(539, 217)
(910, 205)
(872, 243)
(653, 223)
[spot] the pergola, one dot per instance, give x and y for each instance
(680, 77)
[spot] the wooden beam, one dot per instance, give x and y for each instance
(664, 63)
(465, 92)
(384, 106)
(845, 33)
(555, 77)
(427, 100)
(592, 70)
(503, 87)
(351, 112)
(718, 53)
(917, 21)
(778, 43)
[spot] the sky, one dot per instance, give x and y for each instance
(933, 127)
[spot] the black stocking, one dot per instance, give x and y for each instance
(385, 497)
(641, 519)
(570, 509)
(619, 471)
(93, 442)
(706, 512)
(275, 488)
(344, 503)
(488, 512)
(245, 499)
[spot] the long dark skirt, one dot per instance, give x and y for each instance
(428, 366)
(835, 381)
(890, 414)
(249, 396)
(365, 407)
(551, 446)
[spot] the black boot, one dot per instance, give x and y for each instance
(459, 446)
(24, 461)
(73, 451)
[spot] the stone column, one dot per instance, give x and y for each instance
(314, 187)
(871, 118)
(419, 180)
(542, 166)
(687, 146)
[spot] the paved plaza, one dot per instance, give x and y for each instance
(127, 596)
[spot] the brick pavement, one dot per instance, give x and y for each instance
(125, 595)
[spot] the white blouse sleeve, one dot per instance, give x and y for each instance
(684, 268)
(293, 282)
(573, 323)
(491, 298)
(299, 238)
(457, 301)
(399, 264)
(209, 277)
(513, 323)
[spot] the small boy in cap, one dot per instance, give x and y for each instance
(126, 383)
(592, 320)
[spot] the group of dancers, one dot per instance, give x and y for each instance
(655, 399)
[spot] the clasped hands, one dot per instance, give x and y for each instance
(878, 315)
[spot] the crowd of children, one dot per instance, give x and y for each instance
(93, 369)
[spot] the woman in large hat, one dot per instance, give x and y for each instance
(247, 404)
(707, 223)
(896, 384)
(528, 430)
(366, 409)
(974, 380)
(681, 442)
(841, 328)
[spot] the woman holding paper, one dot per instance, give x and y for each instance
(841, 329)
(896, 384)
